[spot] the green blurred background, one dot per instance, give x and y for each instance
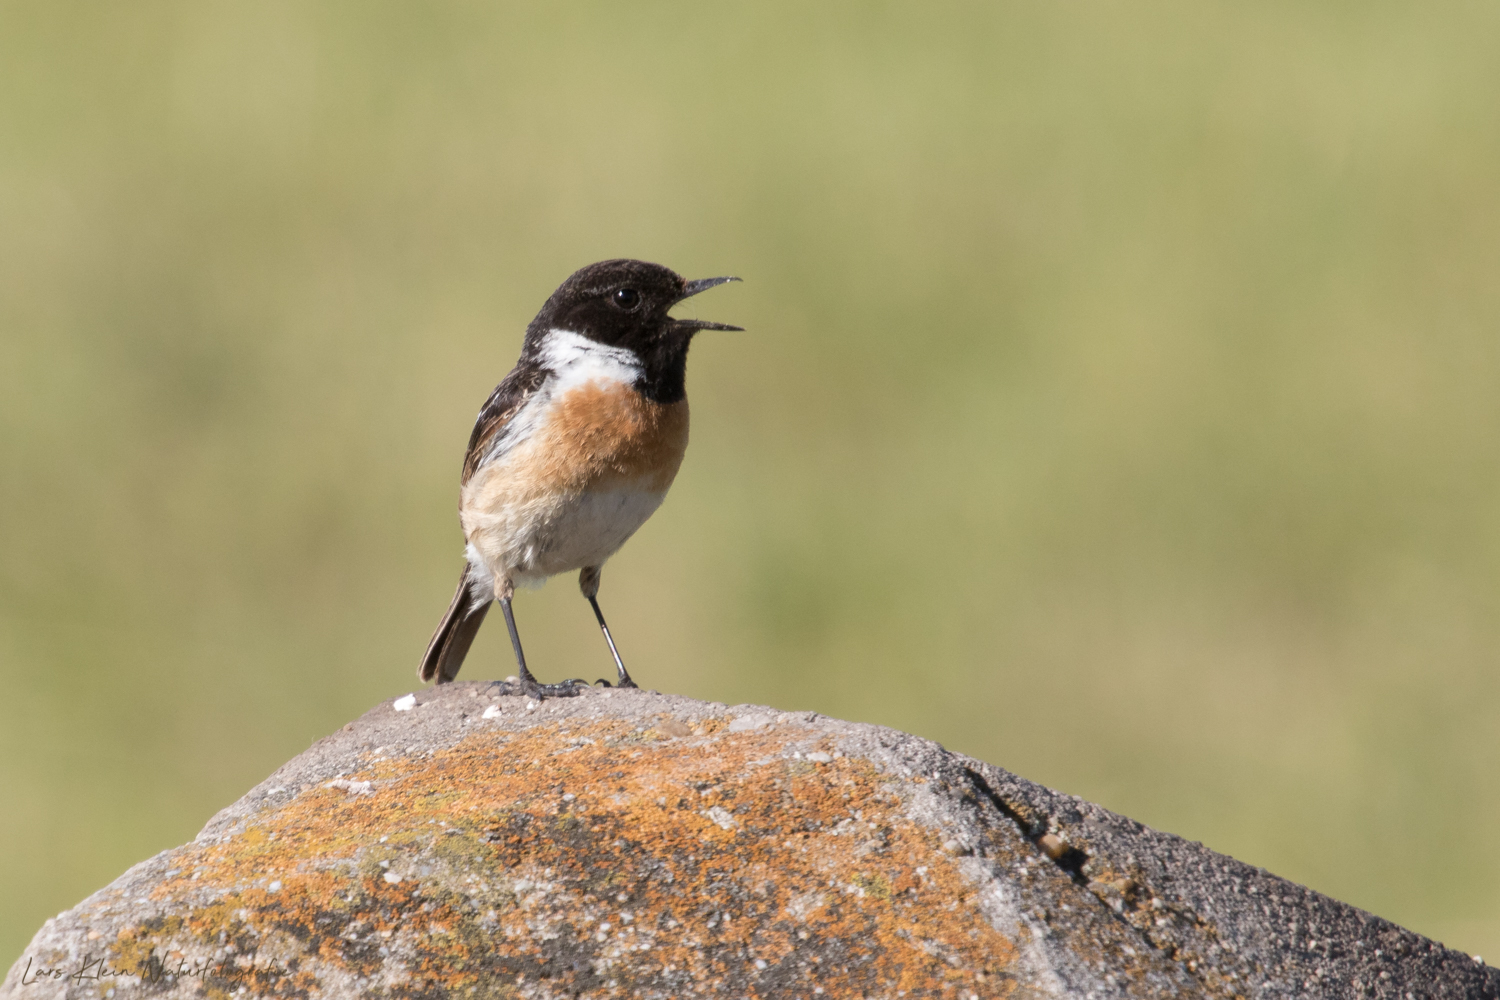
(1119, 402)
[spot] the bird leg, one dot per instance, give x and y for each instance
(588, 582)
(526, 684)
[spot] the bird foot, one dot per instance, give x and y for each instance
(529, 688)
(626, 683)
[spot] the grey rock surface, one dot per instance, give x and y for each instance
(627, 843)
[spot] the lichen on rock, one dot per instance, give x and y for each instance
(634, 845)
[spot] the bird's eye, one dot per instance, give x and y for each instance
(626, 298)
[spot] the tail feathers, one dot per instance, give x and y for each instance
(455, 633)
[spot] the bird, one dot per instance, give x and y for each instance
(572, 452)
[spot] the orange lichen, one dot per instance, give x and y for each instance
(594, 859)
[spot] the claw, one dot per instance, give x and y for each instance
(569, 688)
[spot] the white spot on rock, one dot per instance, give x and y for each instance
(493, 712)
(405, 703)
(745, 723)
(802, 906)
(352, 787)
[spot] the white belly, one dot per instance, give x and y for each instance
(532, 541)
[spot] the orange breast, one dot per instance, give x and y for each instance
(597, 436)
(608, 436)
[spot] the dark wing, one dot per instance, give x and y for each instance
(455, 633)
(498, 411)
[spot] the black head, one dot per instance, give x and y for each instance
(625, 303)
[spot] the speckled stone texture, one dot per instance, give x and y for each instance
(630, 844)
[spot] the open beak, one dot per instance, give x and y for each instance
(693, 288)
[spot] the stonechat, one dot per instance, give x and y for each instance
(571, 453)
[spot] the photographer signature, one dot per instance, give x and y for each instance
(155, 970)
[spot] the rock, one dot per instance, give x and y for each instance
(630, 844)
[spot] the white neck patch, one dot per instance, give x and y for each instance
(576, 360)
